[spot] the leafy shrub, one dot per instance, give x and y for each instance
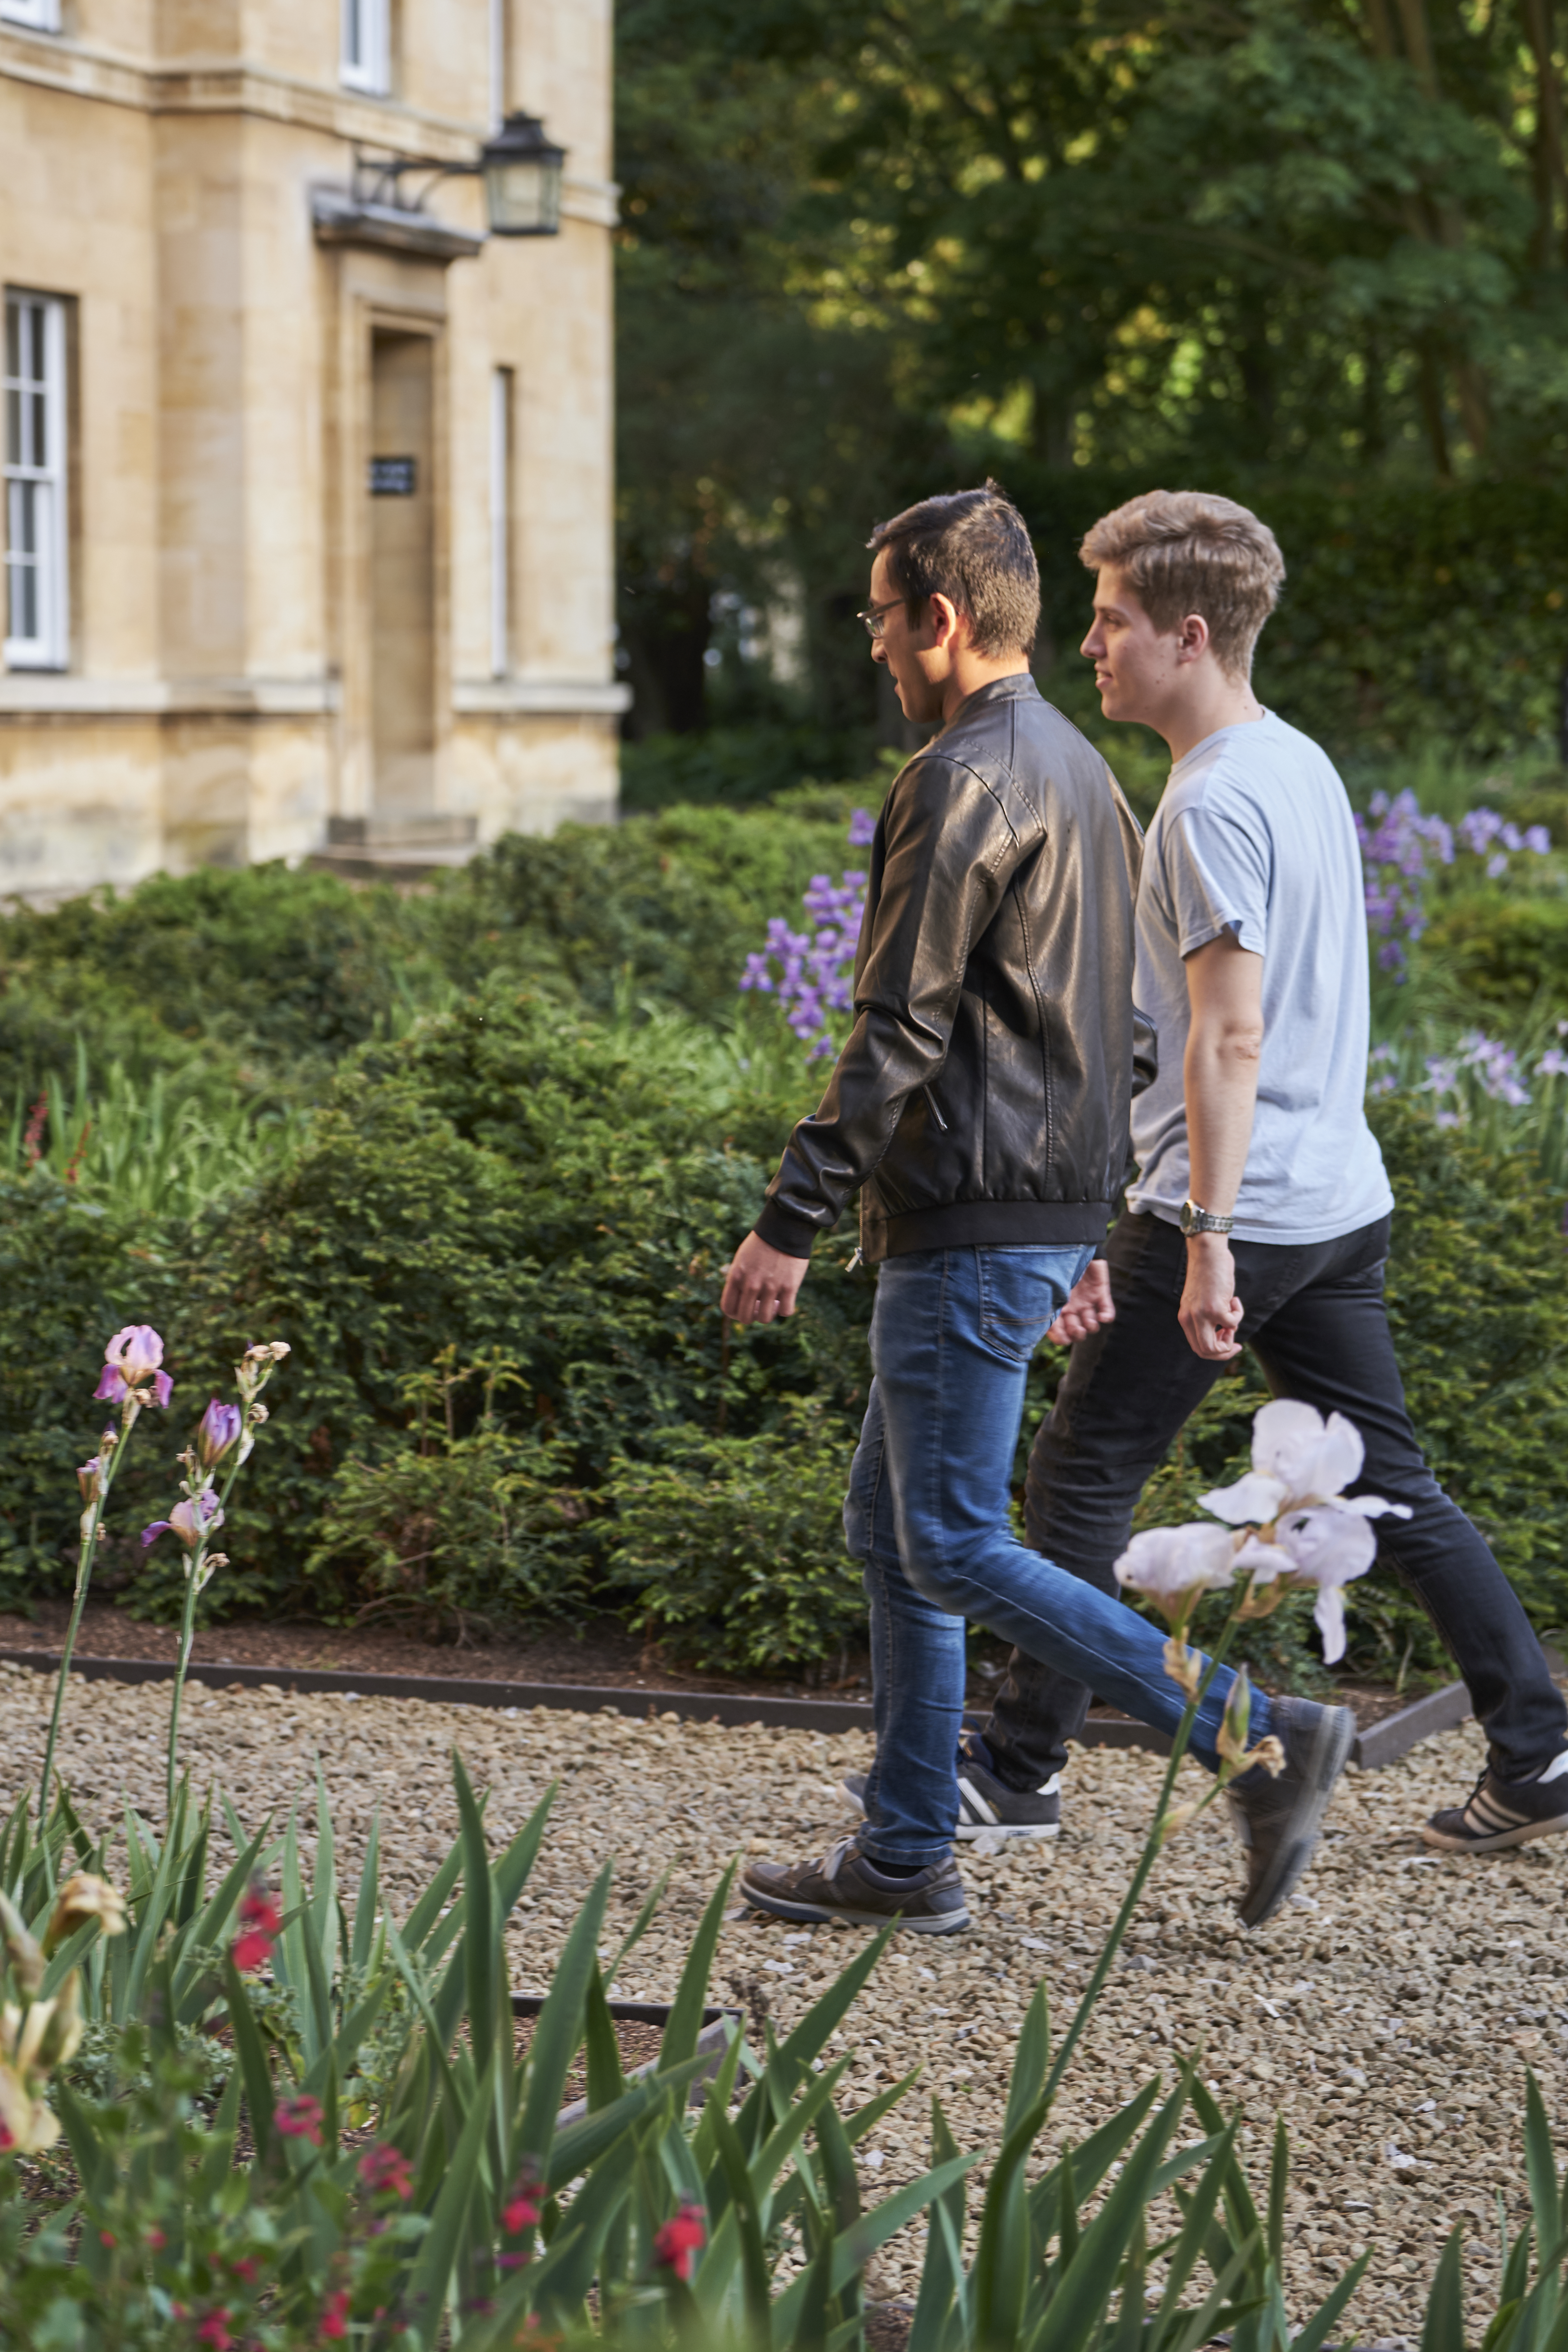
(505, 1180)
(1506, 952)
(296, 962)
(664, 907)
(454, 1526)
(736, 1544)
(71, 1271)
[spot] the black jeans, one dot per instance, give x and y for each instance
(1316, 1321)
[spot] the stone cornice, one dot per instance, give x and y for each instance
(235, 86)
(565, 697)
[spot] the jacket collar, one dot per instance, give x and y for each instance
(1020, 687)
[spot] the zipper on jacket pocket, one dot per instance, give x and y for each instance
(930, 1098)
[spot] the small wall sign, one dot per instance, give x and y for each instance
(393, 477)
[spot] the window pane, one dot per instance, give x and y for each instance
(13, 426)
(39, 451)
(12, 337)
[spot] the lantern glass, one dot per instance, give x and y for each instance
(522, 179)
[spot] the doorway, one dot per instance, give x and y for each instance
(403, 573)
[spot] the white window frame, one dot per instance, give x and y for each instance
(498, 63)
(35, 478)
(365, 57)
(40, 16)
(502, 412)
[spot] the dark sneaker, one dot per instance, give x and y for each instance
(1277, 1820)
(987, 1808)
(848, 1884)
(1504, 1812)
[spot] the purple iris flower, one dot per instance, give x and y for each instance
(862, 829)
(131, 1362)
(219, 1431)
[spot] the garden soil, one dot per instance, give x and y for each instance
(1389, 2013)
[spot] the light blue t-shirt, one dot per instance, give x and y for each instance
(1254, 834)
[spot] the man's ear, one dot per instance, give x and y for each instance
(1193, 639)
(944, 621)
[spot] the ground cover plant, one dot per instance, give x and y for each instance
(482, 1157)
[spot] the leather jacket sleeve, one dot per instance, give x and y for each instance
(940, 885)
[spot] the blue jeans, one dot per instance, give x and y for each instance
(927, 1514)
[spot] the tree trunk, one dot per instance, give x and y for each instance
(1551, 171)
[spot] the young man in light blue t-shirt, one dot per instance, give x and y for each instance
(1261, 1207)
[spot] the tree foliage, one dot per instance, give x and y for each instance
(873, 246)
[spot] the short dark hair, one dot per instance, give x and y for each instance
(973, 547)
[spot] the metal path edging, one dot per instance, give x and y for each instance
(1380, 1744)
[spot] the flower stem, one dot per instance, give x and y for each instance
(1153, 1845)
(83, 1579)
(194, 1580)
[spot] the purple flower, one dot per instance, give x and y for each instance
(87, 1479)
(193, 1521)
(862, 830)
(130, 1365)
(220, 1430)
(1538, 839)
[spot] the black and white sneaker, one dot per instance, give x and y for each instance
(1504, 1812)
(987, 1808)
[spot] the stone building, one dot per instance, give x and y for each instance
(307, 475)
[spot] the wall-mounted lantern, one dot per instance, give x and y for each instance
(519, 166)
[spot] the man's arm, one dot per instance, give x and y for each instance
(1225, 990)
(940, 883)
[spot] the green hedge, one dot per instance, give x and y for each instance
(1410, 613)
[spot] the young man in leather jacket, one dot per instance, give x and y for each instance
(979, 1110)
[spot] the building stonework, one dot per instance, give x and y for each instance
(229, 636)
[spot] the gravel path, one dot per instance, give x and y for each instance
(1389, 2012)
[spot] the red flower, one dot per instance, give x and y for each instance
(335, 2315)
(521, 2213)
(157, 2240)
(214, 2330)
(299, 2118)
(387, 2169)
(107, 2238)
(679, 2240)
(261, 1923)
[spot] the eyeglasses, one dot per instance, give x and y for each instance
(873, 616)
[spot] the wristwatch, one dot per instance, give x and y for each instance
(1202, 1221)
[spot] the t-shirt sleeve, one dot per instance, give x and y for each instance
(1216, 872)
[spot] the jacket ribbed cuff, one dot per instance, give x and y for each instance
(782, 1230)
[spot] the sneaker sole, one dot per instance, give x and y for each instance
(1494, 1844)
(779, 1906)
(1034, 1832)
(1325, 1761)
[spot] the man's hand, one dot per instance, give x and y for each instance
(1089, 1305)
(761, 1282)
(1211, 1311)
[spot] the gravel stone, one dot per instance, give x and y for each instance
(1389, 2013)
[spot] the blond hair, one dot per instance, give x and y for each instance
(1185, 552)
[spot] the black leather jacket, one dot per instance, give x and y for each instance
(984, 1093)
